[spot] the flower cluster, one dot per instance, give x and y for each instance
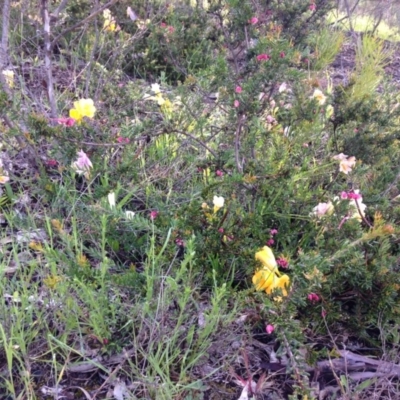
(109, 22)
(356, 206)
(268, 278)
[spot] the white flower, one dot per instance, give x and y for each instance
(218, 202)
(111, 199)
(319, 96)
(282, 87)
(346, 163)
(155, 88)
(129, 214)
(322, 209)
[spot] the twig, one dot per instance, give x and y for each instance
(59, 9)
(239, 166)
(47, 59)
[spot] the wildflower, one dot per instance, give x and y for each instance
(346, 166)
(204, 206)
(236, 103)
(9, 77)
(312, 7)
(267, 258)
(269, 329)
(267, 280)
(324, 313)
(82, 108)
(218, 202)
(282, 87)
(51, 163)
(219, 173)
(273, 232)
(180, 242)
(282, 54)
(65, 121)
(263, 57)
(129, 214)
(238, 89)
(4, 178)
(282, 262)
(313, 297)
(357, 206)
(270, 119)
(322, 209)
(221, 230)
(109, 21)
(153, 215)
(270, 242)
(123, 140)
(111, 199)
(155, 88)
(319, 96)
(253, 20)
(83, 164)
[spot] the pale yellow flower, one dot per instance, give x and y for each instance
(267, 258)
(319, 96)
(218, 202)
(9, 77)
(346, 166)
(111, 199)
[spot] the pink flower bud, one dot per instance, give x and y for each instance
(219, 173)
(153, 215)
(323, 313)
(263, 57)
(344, 196)
(238, 89)
(273, 231)
(253, 20)
(270, 242)
(221, 230)
(283, 263)
(236, 104)
(269, 329)
(282, 54)
(313, 297)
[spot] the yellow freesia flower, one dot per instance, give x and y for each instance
(269, 278)
(82, 108)
(267, 258)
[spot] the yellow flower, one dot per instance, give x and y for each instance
(269, 278)
(82, 108)
(267, 258)
(9, 77)
(263, 279)
(218, 202)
